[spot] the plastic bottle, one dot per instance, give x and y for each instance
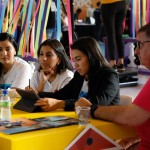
(5, 104)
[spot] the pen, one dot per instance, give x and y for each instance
(29, 83)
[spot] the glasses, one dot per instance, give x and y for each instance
(140, 44)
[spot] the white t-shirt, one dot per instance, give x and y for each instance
(84, 89)
(18, 75)
(90, 12)
(60, 81)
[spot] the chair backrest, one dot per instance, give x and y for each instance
(125, 100)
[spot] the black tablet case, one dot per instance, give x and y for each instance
(27, 101)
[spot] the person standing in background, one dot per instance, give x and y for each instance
(113, 15)
(89, 16)
(51, 23)
(98, 21)
(77, 13)
(90, 11)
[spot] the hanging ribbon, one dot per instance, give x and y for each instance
(16, 7)
(15, 19)
(10, 15)
(22, 39)
(32, 31)
(69, 25)
(28, 23)
(39, 18)
(5, 21)
(58, 25)
(148, 11)
(44, 20)
(137, 14)
(132, 19)
(144, 12)
(3, 6)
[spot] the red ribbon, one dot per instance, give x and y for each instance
(69, 25)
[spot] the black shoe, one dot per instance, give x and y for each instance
(114, 67)
(120, 67)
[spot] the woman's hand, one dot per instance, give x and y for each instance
(48, 104)
(83, 102)
(30, 89)
(44, 76)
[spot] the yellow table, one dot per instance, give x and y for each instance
(56, 138)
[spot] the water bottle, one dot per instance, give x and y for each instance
(5, 104)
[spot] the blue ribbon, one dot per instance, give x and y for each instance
(43, 21)
(29, 14)
(2, 14)
(58, 20)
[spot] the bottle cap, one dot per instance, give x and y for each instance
(5, 91)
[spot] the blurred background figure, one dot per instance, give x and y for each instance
(77, 13)
(89, 15)
(98, 21)
(113, 15)
(51, 23)
(90, 11)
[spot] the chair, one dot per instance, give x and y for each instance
(125, 100)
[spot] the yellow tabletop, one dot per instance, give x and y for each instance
(56, 138)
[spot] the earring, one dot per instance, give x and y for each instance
(58, 63)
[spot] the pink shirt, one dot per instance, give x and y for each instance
(143, 101)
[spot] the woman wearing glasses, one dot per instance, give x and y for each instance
(13, 70)
(136, 114)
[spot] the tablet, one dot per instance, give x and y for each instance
(27, 101)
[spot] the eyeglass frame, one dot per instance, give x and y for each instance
(141, 43)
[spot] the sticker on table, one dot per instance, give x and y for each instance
(92, 139)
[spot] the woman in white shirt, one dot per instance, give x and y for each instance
(13, 70)
(55, 69)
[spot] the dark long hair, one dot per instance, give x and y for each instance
(60, 52)
(6, 36)
(90, 47)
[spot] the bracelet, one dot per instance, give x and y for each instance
(93, 108)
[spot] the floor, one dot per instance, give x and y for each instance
(134, 90)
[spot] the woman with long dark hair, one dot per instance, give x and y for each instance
(55, 69)
(93, 79)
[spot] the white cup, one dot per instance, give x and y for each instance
(83, 115)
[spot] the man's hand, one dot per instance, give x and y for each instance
(130, 143)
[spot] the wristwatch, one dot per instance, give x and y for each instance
(93, 108)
